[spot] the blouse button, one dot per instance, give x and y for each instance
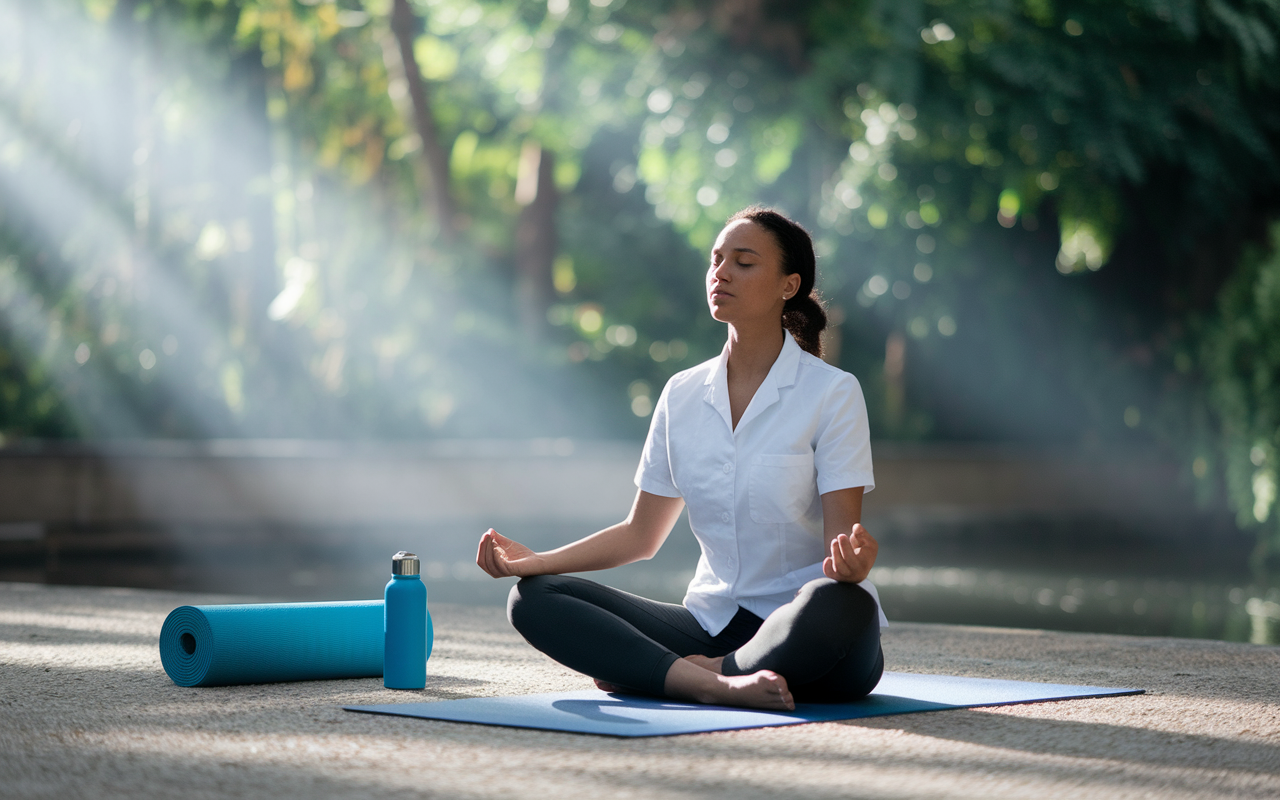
(728, 468)
(724, 516)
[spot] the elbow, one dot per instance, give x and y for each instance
(650, 545)
(646, 550)
(642, 544)
(642, 550)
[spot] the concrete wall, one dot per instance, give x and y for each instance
(237, 515)
(322, 483)
(313, 483)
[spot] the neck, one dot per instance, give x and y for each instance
(753, 349)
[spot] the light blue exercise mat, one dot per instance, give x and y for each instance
(272, 642)
(596, 712)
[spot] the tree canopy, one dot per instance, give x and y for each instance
(488, 217)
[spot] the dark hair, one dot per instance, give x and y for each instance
(803, 314)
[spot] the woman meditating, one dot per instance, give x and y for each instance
(768, 446)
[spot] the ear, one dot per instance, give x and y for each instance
(791, 285)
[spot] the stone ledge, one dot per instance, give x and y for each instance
(317, 483)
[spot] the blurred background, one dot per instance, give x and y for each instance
(289, 285)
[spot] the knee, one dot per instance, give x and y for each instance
(526, 596)
(848, 598)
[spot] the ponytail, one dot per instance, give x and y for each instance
(804, 314)
(805, 318)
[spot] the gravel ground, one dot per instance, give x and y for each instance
(87, 711)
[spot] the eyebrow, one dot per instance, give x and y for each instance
(741, 250)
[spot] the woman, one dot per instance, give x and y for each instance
(769, 447)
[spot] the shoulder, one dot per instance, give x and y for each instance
(690, 380)
(818, 376)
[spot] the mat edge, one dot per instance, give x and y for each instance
(781, 723)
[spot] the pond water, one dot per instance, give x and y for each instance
(1144, 606)
(996, 598)
(1070, 575)
(1011, 574)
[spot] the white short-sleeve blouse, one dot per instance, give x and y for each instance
(753, 493)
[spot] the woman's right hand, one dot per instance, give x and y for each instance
(504, 558)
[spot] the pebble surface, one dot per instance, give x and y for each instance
(87, 711)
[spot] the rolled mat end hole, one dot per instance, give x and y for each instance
(188, 643)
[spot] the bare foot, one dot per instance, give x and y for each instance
(709, 664)
(608, 687)
(764, 689)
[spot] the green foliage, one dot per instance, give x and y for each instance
(1242, 364)
(1035, 197)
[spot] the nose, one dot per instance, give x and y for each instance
(720, 273)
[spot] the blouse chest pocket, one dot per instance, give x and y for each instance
(781, 487)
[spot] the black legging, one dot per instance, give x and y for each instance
(825, 642)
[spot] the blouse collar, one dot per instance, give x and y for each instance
(781, 375)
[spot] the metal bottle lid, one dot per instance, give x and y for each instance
(405, 563)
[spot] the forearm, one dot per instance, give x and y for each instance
(605, 549)
(851, 550)
(636, 538)
(841, 510)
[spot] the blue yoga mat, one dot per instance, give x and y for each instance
(267, 643)
(597, 712)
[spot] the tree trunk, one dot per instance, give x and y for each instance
(122, 138)
(895, 393)
(404, 26)
(256, 264)
(536, 241)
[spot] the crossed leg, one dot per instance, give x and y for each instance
(635, 644)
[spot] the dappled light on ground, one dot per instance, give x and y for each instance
(84, 717)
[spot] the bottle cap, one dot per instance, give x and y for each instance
(405, 563)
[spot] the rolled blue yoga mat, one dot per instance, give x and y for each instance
(272, 642)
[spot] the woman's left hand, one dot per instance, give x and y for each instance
(851, 557)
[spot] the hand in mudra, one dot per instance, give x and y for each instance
(504, 558)
(851, 556)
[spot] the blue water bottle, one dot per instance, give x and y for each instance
(406, 625)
